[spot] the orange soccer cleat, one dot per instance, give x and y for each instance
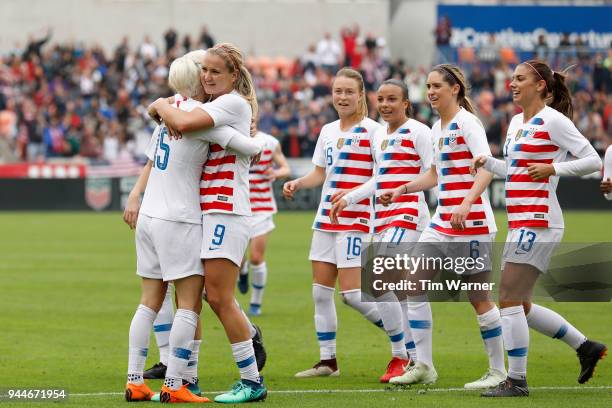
(181, 395)
(137, 392)
(396, 367)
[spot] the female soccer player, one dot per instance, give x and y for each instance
(170, 209)
(537, 143)
(342, 160)
(225, 203)
(401, 152)
(462, 227)
(263, 206)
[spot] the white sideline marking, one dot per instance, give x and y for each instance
(427, 390)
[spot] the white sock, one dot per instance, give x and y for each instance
(367, 309)
(391, 314)
(516, 340)
(408, 340)
(191, 372)
(326, 322)
(259, 275)
(421, 324)
(252, 331)
(244, 356)
(245, 268)
(553, 325)
(491, 332)
(162, 326)
(139, 342)
(181, 341)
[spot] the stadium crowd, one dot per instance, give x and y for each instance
(71, 101)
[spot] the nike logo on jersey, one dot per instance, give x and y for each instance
(213, 249)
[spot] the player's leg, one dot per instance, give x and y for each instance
(324, 276)
(489, 322)
(516, 286)
(225, 239)
(161, 329)
(259, 272)
(552, 324)
(142, 322)
(243, 277)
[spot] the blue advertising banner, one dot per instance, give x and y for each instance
(520, 26)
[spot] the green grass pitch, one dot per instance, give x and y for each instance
(69, 290)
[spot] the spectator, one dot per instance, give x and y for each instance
(328, 53)
(148, 50)
(170, 37)
(206, 40)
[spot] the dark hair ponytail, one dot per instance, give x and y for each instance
(562, 100)
(555, 87)
(402, 85)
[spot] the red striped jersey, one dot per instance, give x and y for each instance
(224, 185)
(348, 163)
(546, 138)
(454, 147)
(261, 193)
(399, 158)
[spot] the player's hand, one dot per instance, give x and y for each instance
(152, 112)
(606, 186)
(389, 196)
(477, 163)
(255, 159)
(290, 188)
(173, 133)
(337, 209)
(337, 196)
(539, 171)
(459, 215)
(132, 208)
(270, 174)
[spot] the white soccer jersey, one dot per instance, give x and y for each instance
(454, 148)
(546, 138)
(348, 163)
(398, 159)
(172, 191)
(261, 193)
(607, 170)
(224, 187)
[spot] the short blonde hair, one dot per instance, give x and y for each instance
(196, 56)
(184, 77)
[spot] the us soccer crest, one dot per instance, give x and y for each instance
(98, 193)
(518, 135)
(384, 144)
(340, 143)
(452, 141)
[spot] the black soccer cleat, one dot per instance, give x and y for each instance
(243, 283)
(258, 346)
(157, 372)
(508, 388)
(589, 353)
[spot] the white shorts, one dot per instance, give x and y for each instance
(532, 246)
(450, 246)
(261, 224)
(342, 249)
(225, 236)
(395, 239)
(167, 250)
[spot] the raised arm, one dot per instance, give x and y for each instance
(182, 121)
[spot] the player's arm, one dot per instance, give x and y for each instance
(489, 163)
(565, 134)
(179, 120)
(606, 182)
(132, 207)
(476, 139)
(354, 195)
(278, 158)
(315, 178)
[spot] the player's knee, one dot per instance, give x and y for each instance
(257, 258)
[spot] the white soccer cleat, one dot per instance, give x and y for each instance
(319, 370)
(490, 379)
(420, 373)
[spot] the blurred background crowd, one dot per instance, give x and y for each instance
(74, 102)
